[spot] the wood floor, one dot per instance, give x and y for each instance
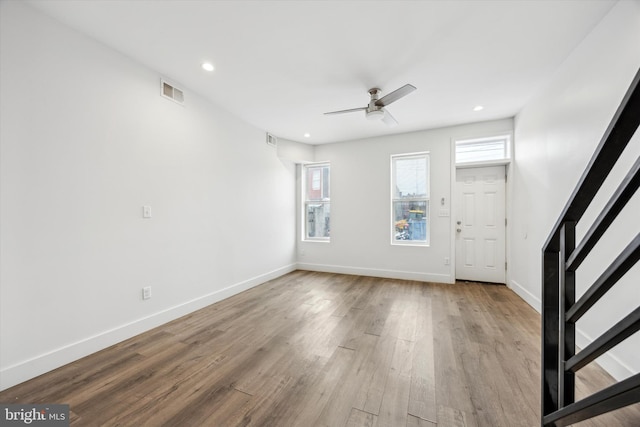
(317, 349)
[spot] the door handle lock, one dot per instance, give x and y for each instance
(458, 230)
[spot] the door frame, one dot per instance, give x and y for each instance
(508, 197)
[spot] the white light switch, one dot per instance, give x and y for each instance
(146, 211)
(443, 212)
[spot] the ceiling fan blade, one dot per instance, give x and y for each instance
(389, 120)
(395, 95)
(346, 111)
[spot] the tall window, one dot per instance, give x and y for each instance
(317, 202)
(410, 199)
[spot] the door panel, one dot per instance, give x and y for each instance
(480, 224)
(469, 252)
(490, 253)
(490, 210)
(469, 209)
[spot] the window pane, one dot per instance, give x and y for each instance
(315, 179)
(410, 220)
(318, 220)
(317, 182)
(325, 183)
(410, 177)
(480, 150)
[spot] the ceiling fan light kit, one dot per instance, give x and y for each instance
(375, 114)
(375, 110)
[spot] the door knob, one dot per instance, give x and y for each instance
(458, 230)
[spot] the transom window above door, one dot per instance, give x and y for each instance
(494, 150)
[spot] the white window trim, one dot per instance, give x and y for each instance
(415, 243)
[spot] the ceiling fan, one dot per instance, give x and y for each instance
(375, 110)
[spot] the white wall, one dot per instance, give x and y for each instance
(296, 152)
(361, 212)
(86, 141)
(555, 136)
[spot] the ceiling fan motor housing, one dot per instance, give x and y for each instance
(373, 111)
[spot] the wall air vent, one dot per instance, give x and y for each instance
(173, 93)
(271, 140)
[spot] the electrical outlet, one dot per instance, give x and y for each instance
(146, 211)
(446, 261)
(146, 292)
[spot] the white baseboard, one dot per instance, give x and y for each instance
(373, 272)
(608, 361)
(528, 297)
(31, 368)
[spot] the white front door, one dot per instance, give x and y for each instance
(480, 224)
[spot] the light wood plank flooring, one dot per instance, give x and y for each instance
(318, 349)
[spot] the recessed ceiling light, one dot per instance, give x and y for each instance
(207, 66)
(478, 108)
(307, 135)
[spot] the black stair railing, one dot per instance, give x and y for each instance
(560, 260)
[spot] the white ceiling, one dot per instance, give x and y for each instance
(281, 64)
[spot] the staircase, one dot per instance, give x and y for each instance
(562, 257)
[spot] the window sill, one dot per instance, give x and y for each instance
(413, 244)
